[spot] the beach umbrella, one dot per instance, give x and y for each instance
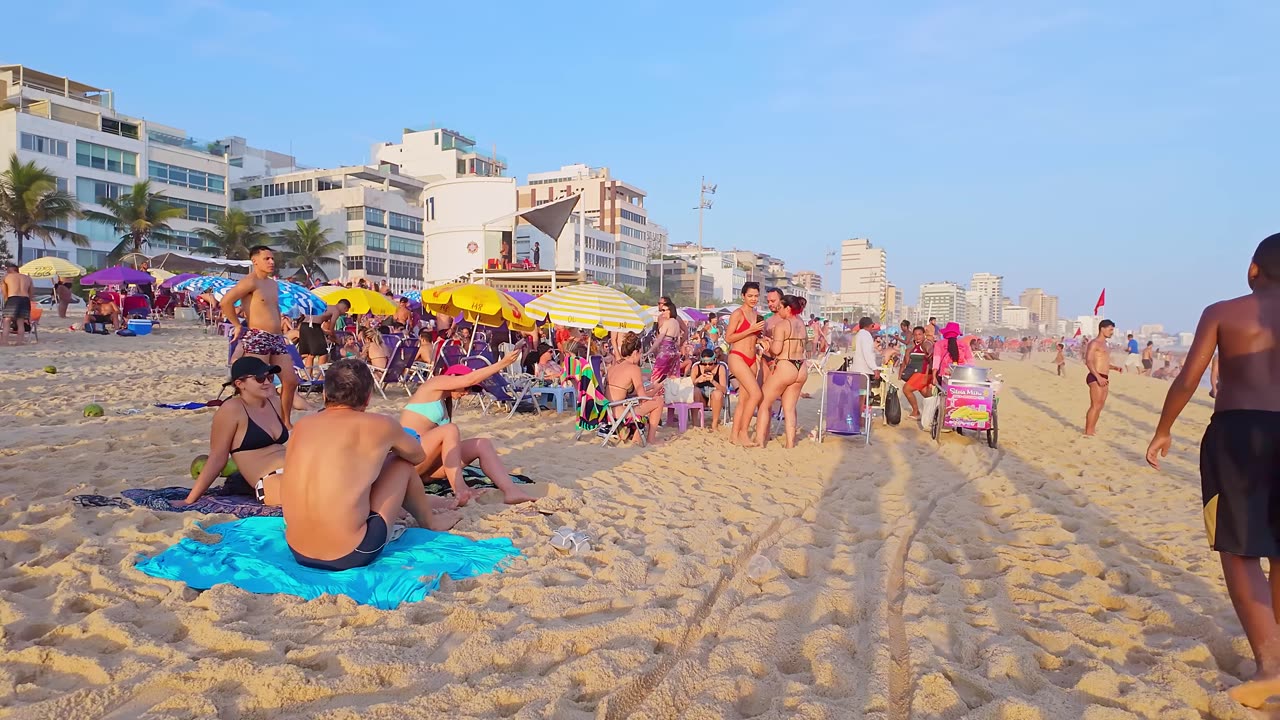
(688, 315)
(523, 298)
(415, 296)
(362, 300)
(479, 304)
(169, 283)
(294, 299)
(203, 283)
(50, 266)
(586, 306)
(117, 275)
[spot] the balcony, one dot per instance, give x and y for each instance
(208, 147)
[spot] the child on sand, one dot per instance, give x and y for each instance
(1059, 360)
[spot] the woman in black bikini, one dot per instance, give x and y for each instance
(787, 378)
(248, 429)
(624, 379)
(744, 329)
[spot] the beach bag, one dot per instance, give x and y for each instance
(892, 407)
(929, 411)
(678, 390)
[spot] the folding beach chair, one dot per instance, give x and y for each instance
(305, 383)
(845, 408)
(449, 355)
(399, 369)
(135, 306)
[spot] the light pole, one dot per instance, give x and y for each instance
(703, 204)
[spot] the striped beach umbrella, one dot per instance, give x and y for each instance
(204, 283)
(296, 299)
(586, 306)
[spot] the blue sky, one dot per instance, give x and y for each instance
(1068, 146)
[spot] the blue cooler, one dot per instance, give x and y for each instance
(140, 327)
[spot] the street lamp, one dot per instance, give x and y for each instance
(703, 204)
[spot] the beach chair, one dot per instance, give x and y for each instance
(135, 306)
(399, 369)
(621, 415)
(483, 350)
(305, 383)
(845, 408)
(449, 356)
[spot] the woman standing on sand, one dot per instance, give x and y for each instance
(743, 331)
(666, 358)
(788, 376)
(430, 414)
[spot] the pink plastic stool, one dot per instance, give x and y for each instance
(681, 410)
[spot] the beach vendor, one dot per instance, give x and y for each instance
(350, 473)
(248, 429)
(916, 364)
(950, 350)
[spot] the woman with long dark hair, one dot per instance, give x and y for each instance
(666, 356)
(743, 332)
(785, 382)
(952, 351)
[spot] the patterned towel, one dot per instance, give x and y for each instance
(242, 506)
(252, 555)
(475, 478)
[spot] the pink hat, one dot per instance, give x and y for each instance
(457, 370)
(951, 330)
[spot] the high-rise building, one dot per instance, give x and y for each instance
(893, 306)
(987, 291)
(945, 301)
(862, 274)
(617, 207)
(72, 130)
(1030, 299)
(436, 153)
(376, 212)
(808, 279)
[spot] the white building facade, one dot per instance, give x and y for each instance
(863, 277)
(987, 294)
(438, 154)
(945, 301)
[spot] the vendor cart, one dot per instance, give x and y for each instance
(968, 405)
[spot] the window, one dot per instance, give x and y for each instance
(272, 190)
(63, 185)
(375, 266)
(355, 262)
(431, 209)
(295, 215)
(198, 211)
(405, 223)
(123, 129)
(42, 144)
(404, 246)
(99, 233)
(374, 216)
(404, 269)
(298, 186)
(91, 258)
(89, 190)
(462, 167)
(355, 213)
(632, 232)
(633, 217)
(322, 185)
(236, 162)
(375, 241)
(355, 238)
(106, 158)
(185, 177)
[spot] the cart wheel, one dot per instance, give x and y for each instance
(993, 435)
(937, 425)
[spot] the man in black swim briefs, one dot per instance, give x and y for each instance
(1240, 456)
(1097, 358)
(347, 475)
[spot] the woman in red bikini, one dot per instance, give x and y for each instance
(744, 329)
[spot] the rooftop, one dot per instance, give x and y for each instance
(23, 76)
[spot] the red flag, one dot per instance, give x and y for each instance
(1077, 333)
(1102, 300)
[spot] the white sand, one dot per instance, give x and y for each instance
(1056, 577)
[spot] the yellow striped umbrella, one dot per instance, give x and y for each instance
(586, 306)
(49, 266)
(362, 301)
(479, 304)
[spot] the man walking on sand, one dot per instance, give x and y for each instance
(1097, 358)
(18, 292)
(260, 297)
(349, 474)
(1131, 355)
(1240, 456)
(1148, 358)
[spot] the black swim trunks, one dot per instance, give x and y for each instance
(17, 307)
(1091, 378)
(1146, 364)
(311, 339)
(1239, 469)
(375, 538)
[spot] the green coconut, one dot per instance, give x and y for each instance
(230, 468)
(197, 465)
(93, 410)
(51, 369)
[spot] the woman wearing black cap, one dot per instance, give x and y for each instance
(248, 429)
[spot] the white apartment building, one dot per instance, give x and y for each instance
(808, 279)
(659, 238)
(986, 291)
(438, 154)
(726, 275)
(863, 277)
(74, 131)
(617, 207)
(1048, 315)
(376, 212)
(945, 301)
(893, 302)
(1018, 317)
(1149, 329)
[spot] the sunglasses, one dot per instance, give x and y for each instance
(263, 378)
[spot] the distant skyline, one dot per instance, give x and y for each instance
(1066, 146)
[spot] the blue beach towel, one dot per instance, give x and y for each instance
(184, 406)
(253, 556)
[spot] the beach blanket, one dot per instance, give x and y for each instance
(475, 479)
(183, 406)
(253, 556)
(591, 400)
(242, 506)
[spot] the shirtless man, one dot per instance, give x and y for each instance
(349, 474)
(260, 296)
(316, 331)
(1148, 358)
(18, 293)
(773, 298)
(1239, 463)
(403, 315)
(1097, 358)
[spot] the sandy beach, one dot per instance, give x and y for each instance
(1055, 577)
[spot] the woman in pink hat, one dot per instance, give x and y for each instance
(952, 350)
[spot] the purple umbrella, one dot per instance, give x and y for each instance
(177, 279)
(118, 275)
(523, 298)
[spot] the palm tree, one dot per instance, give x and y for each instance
(232, 236)
(139, 215)
(32, 206)
(307, 245)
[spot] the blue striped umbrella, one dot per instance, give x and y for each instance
(414, 296)
(204, 283)
(294, 299)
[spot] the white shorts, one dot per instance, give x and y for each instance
(1132, 360)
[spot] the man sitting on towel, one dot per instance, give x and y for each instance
(348, 474)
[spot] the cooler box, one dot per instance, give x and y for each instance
(843, 414)
(140, 327)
